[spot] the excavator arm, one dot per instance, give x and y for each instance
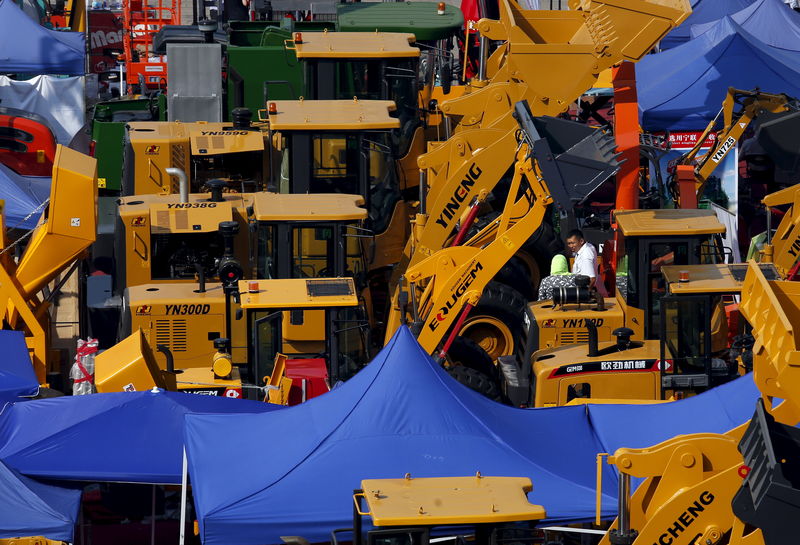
(738, 110)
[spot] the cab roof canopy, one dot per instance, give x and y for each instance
(424, 17)
(677, 222)
(343, 115)
(355, 45)
(298, 293)
(308, 207)
(449, 500)
(716, 278)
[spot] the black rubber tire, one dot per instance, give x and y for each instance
(505, 305)
(477, 382)
(465, 352)
(514, 274)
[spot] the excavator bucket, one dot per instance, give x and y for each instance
(769, 498)
(583, 157)
(777, 136)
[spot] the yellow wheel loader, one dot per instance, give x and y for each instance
(732, 488)
(690, 352)
(224, 338)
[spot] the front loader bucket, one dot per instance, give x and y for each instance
(630, 28)
(769, 498)
(576, 160)
(559, 54)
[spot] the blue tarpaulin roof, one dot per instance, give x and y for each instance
(400, 414)
(683, 88)
(704, 11)
(17, 378)
(26, 47)
(31, 508)
(24, 196)
(124, 437)
(771, 21)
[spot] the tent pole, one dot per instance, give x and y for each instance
(153, 517)
(184, 478)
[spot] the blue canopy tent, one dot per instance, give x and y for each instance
(119, 437)
(26, 47)
(682, 89)
(771, 21)
(719, 409)
(31, 508)
(17, 378)
(704, 11)
(24, 196)
(402, 413)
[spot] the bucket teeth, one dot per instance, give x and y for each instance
(601, 30)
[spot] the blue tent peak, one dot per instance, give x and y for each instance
(704, 11)
(32, 49)
(771, 21)
(682, 89)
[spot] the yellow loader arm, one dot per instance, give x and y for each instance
(738, 110)
(552, 57)
(783, 249)
(457, 275)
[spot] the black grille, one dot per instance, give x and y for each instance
(739, 271)
(329, 288)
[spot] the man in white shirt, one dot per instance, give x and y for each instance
(585, 258)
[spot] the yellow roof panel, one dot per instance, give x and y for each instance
(449, 500)
(157, 131)
(298, 293)
(668, 222)
(216, 138)
(308, 207)
(711, 278)
(353, 115)
(358, 45)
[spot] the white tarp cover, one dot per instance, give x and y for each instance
(57, 99)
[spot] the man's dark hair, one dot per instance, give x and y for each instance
(577, 233)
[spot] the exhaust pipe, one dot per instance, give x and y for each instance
(183, 182)
(591, 328)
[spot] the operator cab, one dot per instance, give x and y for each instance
(291, 316)
(696, 320)
(308, 236)
(351, 146)
(362, 65)
(647, 240)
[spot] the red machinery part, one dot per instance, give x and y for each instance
(141, 20)
(27, 145)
